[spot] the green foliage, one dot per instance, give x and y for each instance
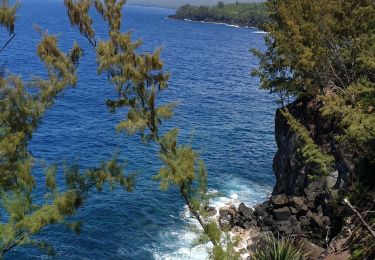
(354, 111)
(326, 50)
(21, 111)
(275, 249)
(8, 15)
(314, 45)
(22, 106)
(179, 163)
(27, 218)
(111, 12)
(78, 13)
(225, 247)
(251, 14)
(138, 78)
(313, 157)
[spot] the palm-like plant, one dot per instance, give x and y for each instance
(278, 249)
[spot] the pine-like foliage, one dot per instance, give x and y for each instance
(22, 105)
(138, 79)
(8, 15)
(326, 50)
(21, 110)
(318, 161)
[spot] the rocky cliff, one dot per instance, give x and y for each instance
(291, 174)
(302, 206)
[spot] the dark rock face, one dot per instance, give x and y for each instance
(226, 218)
(244, 210)
(282, 213)
(279, 201)
(291, 175)
(300, 205)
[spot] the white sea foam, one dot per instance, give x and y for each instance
(260, 32)
(218, 23)
(236, 191)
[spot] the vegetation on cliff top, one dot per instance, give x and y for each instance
(243, 14)
(325, 50)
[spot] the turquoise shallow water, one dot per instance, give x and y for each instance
(231, 120)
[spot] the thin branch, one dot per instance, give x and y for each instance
(13, 244)
(7, 43)
(196, 214)
(91, 40)
(334, 73)
(25, 235)
(347, 202)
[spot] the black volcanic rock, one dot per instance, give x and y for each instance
(282, 213)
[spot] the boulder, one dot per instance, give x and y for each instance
(279, 201)
(320, 210)
(260, 211)
(316, 220)
(265, 228)
(285, 227)
(210, 211)
(226, 218)
(282, 213)
(225, 224)
(326, 221)
(243, 210)
(293, 210)
(331, 179)
(249, 224)
(269, 221)
(315, 251)
(298, 202)
(304, 209)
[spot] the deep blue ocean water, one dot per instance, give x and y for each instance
(221, 106)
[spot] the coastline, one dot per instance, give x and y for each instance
(216, 22)
(152, 6)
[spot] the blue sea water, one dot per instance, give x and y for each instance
(220, 105)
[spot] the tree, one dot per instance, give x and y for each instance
(21, 111)
(139, 79)
(250, 14)
(325, 50)
(220, 4)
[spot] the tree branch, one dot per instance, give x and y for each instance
(347, 202)
(7, 43)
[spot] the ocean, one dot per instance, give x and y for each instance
(222, 111)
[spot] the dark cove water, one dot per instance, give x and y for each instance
(221, 106)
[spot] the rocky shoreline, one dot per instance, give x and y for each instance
(300, 207)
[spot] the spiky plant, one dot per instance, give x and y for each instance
(278, 249)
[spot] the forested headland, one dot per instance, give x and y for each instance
(242, 14)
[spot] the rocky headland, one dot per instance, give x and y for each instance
(301, 207)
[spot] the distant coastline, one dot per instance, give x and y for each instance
(252, 15)
(215, 22)
(152, 6)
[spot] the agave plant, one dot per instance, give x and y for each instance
(278, 249)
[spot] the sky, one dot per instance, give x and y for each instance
(178, 3)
